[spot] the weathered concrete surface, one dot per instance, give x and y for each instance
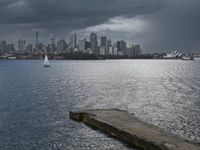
(129, 129)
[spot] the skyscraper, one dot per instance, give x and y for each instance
(61, 46)
(104, 41)
(3, 46)
(103, 46)
(40, 48)
(29, 48)
(109, 43)
(138, 50)
(73, 40)
(121, 46)
(11, 47)
(36, 42)
(21, 44)
(93, 42)
(52, 43)
(82, 45)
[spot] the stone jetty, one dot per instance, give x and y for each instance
(128, 128)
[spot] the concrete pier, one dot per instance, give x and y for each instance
(128, 128)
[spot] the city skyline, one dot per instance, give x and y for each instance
(102, 46)
(158, 25)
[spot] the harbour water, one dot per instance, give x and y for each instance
(35, 101)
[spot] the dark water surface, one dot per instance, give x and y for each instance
(35, 101)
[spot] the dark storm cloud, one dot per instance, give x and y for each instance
(169, 23)
(72, 13)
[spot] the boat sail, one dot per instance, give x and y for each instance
(46, 61)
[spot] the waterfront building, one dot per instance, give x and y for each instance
(93, 42)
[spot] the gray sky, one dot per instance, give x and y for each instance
(158, 25)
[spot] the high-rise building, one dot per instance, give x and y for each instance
(61, 46)
(36, 42)
(121, 46)
(21, 44)
(73, 40)
(115, 51)
(3, 47)
(40, 48)
(109, 43)
(103, 47)
(104, 41)
(82, 45)
(111, 50)
(138, 50)
(93, 42)
(11, 47)
(52, 43)
(87, 45)
(29, 48)
(102, 50)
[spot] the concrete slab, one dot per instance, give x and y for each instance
(128, 128)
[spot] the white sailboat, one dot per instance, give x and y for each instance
(46, 61)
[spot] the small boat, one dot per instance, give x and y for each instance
(187, 58)
(12, 58)
(46, 61)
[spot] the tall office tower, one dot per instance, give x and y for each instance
(93, 42)
(36, 41)
(87, 45)
(40, 48)
(102, 50)
(138, 50)
(121, 46)
(103, 47)
(3, 47)
(132, 50)
(29, 48)
(11, 47)
(52, 43)
(111, 50)
(82, 45)
(21, 44)
(109, 43)
(61, 46)
(73, 40)
(104, 41)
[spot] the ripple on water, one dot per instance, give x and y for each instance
(34, 102)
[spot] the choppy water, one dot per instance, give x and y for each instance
(35, 101)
